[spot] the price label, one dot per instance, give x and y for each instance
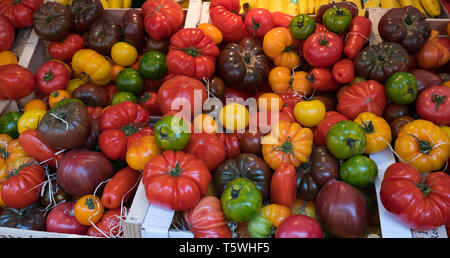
(439, 232)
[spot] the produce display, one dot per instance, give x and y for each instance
(259, 124)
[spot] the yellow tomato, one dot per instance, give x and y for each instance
(63, 2)
(30, 119)
(205, 123)
(234, 116)
(124, 54)
(377, 131)
(56, 96)
(446, 129)
(270, 102)
(141, 152)
(75, 83)
(7, 57)
(212, 31)
(92, 64)
(35, 104)
(88, 210)
(309, 113)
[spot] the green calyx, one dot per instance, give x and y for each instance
(424, 146)
(176, 171)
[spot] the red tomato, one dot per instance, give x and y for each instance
(137, 135)
(38, 149)
(281, 19)
(344, 71)
(207, 220)
(321, 131)
(283, 185)
(149, 100)
(433, 104)
(179, 94)
(368, 96)
(16, 82)
(258, 21)
(162, 18)
(224, 15)
(289, 99)
(112, 143)
(19, 13)
(61, 219)
(124, 114)
(111, 224)
(299, 226)
(52, 76)
(176, 180)
(111, 89)
(7, 34)
(65, 48)
(95, 112)
(231, 93)
(22, 188)
(231, 141)
(322, 79)
(192, 53)
(120, 188)
(208, 148)
(419, 204)
(323, 49)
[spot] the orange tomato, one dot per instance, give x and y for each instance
(35, 104)
(205, 123)
(304, 208)
(277, 41)
(288, 59)
(448, 28)
(115, 69)
(7, 57)
(141, 152)
(279, 78)
(212, 31)
(447, 83)
(270, 102)
(2, 204)
(57, 96)
(276, 213)
(88, 209)
(301, 84)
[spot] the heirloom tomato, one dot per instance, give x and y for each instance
(224, 15)
(88, 209)
(142, 151)
(302, 26)
(162, 18)
(359, 171)
(120, 188)
(299, 226)
(130, 80)
(153, 65)
(111, 224)
(283, 185)
(93, 64)
(52, 76)
(401, 87)
(30, 120)
(172, 133)
(323, 49)
(234, 117)
(321, 130)
(258, 21)
(208, 148)
(8, 123)
(309, 113)
(346, 139)
(7, 33)
(34, 147)
(16, 82)
(377, 130)
(124, 54)
(337, 19)
(433, 104)
(61, 219)
(19, 13)
(212, 31)
(64, 49)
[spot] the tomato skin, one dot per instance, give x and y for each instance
(109, 225)
(322, 49)
(281, 19)
(149, 100)
(120, 188)
(368, 96)
(433, 104)
(176, 180)
(22, 190)
(162, 18)
(241, 200)
(38, 149)
(208, 148)
(302, 26)
(207, 220)
(66, 48)
(88, 209)
(337, 19)
(125, 113)
(142, 151)
(181, 87)
(400, 194)
(258, 21)
(19, 14)
(321, 131)
(172, 133)
(346, 139)
(377, 130)
(231, 142)
(7, 34)
(359, 32)
(112, 143)
(52, 76)
(309, 113)
(299, 226)
(212, 31)
(322, 79)
(344, 71)
(192, 53)
(61, 219)
(283, 185)
(16, 81)
(224, 15)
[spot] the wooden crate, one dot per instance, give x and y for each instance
(32, 52)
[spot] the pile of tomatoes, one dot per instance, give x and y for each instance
(255, 125)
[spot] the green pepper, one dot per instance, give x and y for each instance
(401, 87)
(302, 26)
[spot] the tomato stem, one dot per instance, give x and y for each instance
(192, 51)
(323, 41)
(255, 26)
(287, 147)
(130, 129)
(424, 146)
(89, 203)
(48, 76)
(4, 153)
(351, 143)
(235, 192)
(146, 96)
(368, 128)
(438, 100)
(176, 171)
(424, 188)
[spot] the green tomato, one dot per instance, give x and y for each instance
(346, 139)
(302, 26)
(62, 102)
(123, 96)
(172, 133)
(129, 79)
(357, 80)
(153, 65)
(401, 87)
(337, 19)
(8, 124)
(359, 171)
(241, 200)
(259, 227)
